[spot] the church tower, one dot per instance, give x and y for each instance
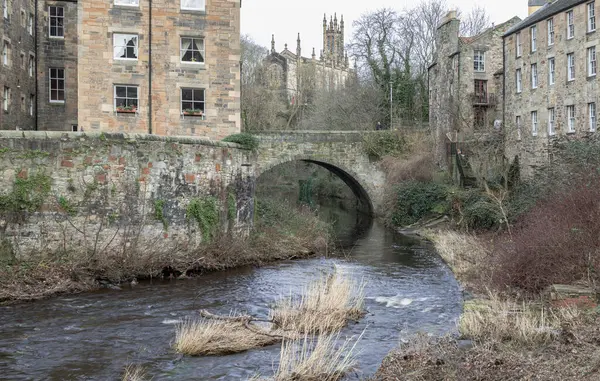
(333, 41)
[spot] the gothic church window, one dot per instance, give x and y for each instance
(192, 50)
(57, 22)
(125, 46)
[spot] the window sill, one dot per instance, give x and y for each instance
(534, 134)
(193, 116)
(591, 76)
(591, 31)
(125, 60)
(57, 103)
(571, 132)
(194, 65)
(134, 113)
(56, 37)
(193, 11)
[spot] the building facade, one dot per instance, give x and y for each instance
(465, 83)
(140, 66)
(297, 76)
(551, 89)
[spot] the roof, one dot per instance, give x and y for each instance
(504, 25)
(543, 13)
(537, 3)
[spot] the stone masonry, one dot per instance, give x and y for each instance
(114, 190)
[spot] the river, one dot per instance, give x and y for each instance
(95, 335)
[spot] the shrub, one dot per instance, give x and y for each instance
(206, 213)
(381, 144)
(246, 140)
(475, 210)
(415, 200)
(556, 242)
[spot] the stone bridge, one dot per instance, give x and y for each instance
(341, 152)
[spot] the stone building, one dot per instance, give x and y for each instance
(143, 66)
(551, 88)
(465, 83)
(297, 76)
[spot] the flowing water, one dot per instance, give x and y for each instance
(95, 335)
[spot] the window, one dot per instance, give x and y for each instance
(533, 33)
(31, 104)
(592, 64)
(57, 19)
(23, 18)
(31, 65)
(571, 66)
(125, 46)
(571, 118)
(57, 85)
(570, 25)
(129, 3)
(5, 9)
(591, 12)
(479, 118)
(519, 81)
(479, 60)
(74, 128)
(192, 102)
(6, 99)
(126, 98)
(551, 115)
(30, 24)
(534, 123)
(551, 71)
(6, 53)
(193, 5)
(592, 116)
(518, 43)
(23, 105)
(192, 50)
(550, 32)
(480, 92)
(534, 76)
(519, 130)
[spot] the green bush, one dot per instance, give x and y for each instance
(380, 144)
(206, 213)
(416, 200)
(246, 140)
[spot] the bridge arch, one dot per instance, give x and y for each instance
(348, 176)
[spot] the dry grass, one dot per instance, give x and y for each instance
(326, 305)
(134, 373)
(202, 337)
(465, 254)
(316, 359)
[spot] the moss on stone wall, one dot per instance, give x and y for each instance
(27, 196)
(205, 212)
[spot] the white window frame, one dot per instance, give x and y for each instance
(201, 51)
(6, 53)
(592, 61)
(6, 99)
(592, 116)
(30, 21)
(534, 123)
(5, 9)
(117, 44)
(518, 44)
(127, 98)
(570, 24)
(57, 18)
(193, 101)
(533, 34)
(591, 13)
(551, 121)
(201, 5)
(31, 64)
(534, 76)
(479, 61)
(571, 118)
(31, 104)
(550, 24)
(571, 67)
(58, 89)
(519, 78)
(551, 71)
(127, 3)
(519, 127)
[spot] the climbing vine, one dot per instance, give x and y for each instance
(159, 215)
(231, 206)
(206, 213)
(27, 196)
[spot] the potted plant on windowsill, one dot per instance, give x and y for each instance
(192, 112)
(127, 109)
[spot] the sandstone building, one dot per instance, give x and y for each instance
(465, 83)
(146, 66)
(297, 76)
(551, 88)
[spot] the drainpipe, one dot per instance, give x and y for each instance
(150, 67)
(35, 66)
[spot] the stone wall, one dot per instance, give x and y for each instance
(533, 149)
(15, 75)
(219, 75)
(108, 191)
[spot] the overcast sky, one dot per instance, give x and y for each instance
(287, 18)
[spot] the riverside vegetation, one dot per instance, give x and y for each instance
(508, 242)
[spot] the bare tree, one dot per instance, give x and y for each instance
(253, 56)
(475, 22)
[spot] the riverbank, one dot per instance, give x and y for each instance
(281, 232)
(503, 335)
